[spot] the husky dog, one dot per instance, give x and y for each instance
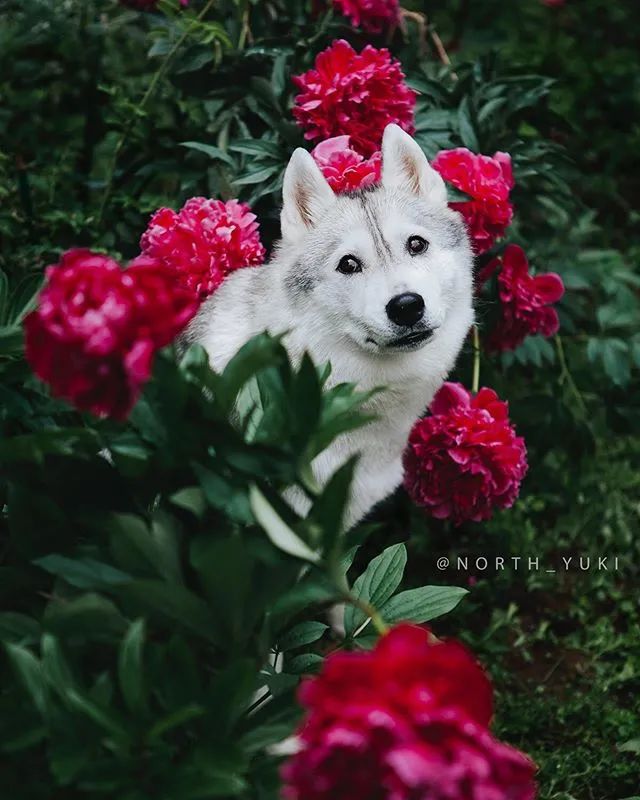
(378, 282)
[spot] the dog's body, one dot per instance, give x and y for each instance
(351, 285)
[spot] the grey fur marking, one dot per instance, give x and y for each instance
(453, 229)
(380, 243)
(300, 281)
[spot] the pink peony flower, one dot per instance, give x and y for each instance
(204, 242)
(353, 94)
(406, 720)
(344, 169)
(525, 300)
(95, 331)
(464, 460)
(372, 16)
(488, 180)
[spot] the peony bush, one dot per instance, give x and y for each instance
(170, 627)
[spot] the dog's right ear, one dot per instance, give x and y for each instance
(405, 167)
(305, 195)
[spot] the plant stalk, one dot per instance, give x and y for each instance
(475, 382)
(153, 85)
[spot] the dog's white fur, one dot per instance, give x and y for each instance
(341, 318)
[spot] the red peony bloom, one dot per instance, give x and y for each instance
(526, 300)
(354, 94)
(372, 16)
(554, 3)
(204, 241)
(96, 329)
(488, 180)
(465, 459)
(344, 169)
(407, 720)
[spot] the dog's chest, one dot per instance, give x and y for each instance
(379, 446)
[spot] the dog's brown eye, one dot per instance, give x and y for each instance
(348, 265)
(417, 245)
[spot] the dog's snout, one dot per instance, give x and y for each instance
(405, 309)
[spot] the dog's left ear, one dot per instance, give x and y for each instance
(405, 167)
(305, 195)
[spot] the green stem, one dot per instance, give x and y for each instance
(153, 85)
(245, 29)
(475, 383)
(565, 375)
(369, 611)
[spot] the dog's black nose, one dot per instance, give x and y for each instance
(405, 309)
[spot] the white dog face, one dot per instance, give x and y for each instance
(386, 266)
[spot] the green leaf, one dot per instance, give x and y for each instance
(55, 667)
(231, 693)
(191, 498)
(329, 508)
(256, 177)
(340, 413)
(174, 603)
(210, 150)
(261, 737)
(144, 548)
(30, 672)
(35, 446)
(305, 664)
(632, 746)
(308, 591)
(256, 147)
(174, 720)
(102, 717)
(18, 628)
(257, 354)
(85, 573)
(277, 529)
(615, 357)
(301, 634)
(90, 616)
(224, 495)
(421, 605)
(131, 668)
(466, 127)
(11, 340)
(376, 585)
